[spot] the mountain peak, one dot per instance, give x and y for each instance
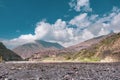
(26, 50)
(49, 44)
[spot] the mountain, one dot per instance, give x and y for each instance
(83, 45)
(29, 49)
(8, 55)
(66, 51)
(105, 49)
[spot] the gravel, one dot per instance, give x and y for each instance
(59, 71)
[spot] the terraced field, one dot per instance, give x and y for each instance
(59, 71)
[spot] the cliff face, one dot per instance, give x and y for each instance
(8, 55)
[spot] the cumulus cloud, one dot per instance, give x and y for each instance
(19, 41)
(103, 32)
(53, 32)
(87, 27)
(87, 35)
(80, 20)
(42, 29)
(80, 5)
(108, 23)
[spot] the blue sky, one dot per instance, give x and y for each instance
(22, 15)
(67, 22)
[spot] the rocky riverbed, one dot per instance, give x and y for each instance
(59, 71)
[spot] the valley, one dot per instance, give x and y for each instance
(59, 39)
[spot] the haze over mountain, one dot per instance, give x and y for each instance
(8, 55)
(26, 50)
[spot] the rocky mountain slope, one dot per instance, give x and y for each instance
(104, 48)
(108, 50)
(29, 49)
(8, 55)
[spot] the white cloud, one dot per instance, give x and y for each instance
(115, 23)
(103, 32)
(80, 5)
(42, 29)
(111, 22)
(80, 20)
(29, 37)
(53, 32)
(19, 41)
(87, 35)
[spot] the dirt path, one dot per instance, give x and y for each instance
(59, 71)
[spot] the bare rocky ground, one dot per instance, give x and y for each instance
(59, 71)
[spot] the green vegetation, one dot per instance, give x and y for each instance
(70, 57)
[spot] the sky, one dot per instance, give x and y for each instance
(67, 22)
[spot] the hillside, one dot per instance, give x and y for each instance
(29, 49)
(8, 55)
(105, 48)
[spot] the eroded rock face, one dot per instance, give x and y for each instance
(59, 71)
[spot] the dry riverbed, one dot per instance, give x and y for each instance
(59, 71)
